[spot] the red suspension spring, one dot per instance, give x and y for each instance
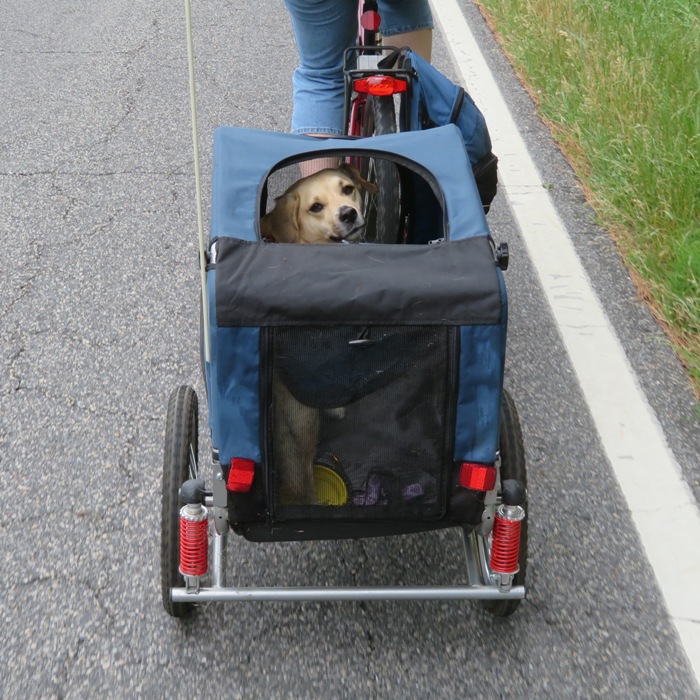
(505, 545)
(194, 542)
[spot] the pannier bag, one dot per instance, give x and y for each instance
(437, 101)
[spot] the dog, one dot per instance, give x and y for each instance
(325, 207)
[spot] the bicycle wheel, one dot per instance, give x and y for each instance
(382, 209)
(179, 465)
(512, 467)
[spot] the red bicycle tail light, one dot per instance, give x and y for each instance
(380, 85)
(370, 21)
(477, 477)
(240, 476)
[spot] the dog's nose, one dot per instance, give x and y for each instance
(348, 215)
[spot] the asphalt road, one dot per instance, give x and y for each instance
(99, 322)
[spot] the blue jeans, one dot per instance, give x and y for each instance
(323, 30)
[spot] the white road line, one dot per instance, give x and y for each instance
(662, 506)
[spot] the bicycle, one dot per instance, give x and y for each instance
(371, 92)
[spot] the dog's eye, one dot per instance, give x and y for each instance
(348, 189)
(316, 207)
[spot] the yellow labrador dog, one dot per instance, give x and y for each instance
(325, 207)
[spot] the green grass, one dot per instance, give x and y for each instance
(618, 81)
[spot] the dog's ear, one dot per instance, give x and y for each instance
(282, 223)
(294, 218)
(354, 174)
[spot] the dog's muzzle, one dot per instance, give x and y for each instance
(350, 224)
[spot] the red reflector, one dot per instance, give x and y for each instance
(478, 477)
(240, 476)
(370, 21)
(380, 85)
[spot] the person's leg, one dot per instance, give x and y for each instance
(407, 23)
(420, 41)
(323, 29)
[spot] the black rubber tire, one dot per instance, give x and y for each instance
(181, 434)
(512, 467)
(383, 209)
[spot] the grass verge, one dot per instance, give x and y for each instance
(618, 82)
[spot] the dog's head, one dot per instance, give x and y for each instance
(325, 207)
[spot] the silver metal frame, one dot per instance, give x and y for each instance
(483, 584)
(221, 595)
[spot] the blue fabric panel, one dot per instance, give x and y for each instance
(479, 393)
(243, 158)
(233, 375)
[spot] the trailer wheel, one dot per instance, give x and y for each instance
(512, 467)
(180, 459)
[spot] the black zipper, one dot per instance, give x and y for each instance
(266, 410)
(451, 394)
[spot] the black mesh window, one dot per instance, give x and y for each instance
(359, 422)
